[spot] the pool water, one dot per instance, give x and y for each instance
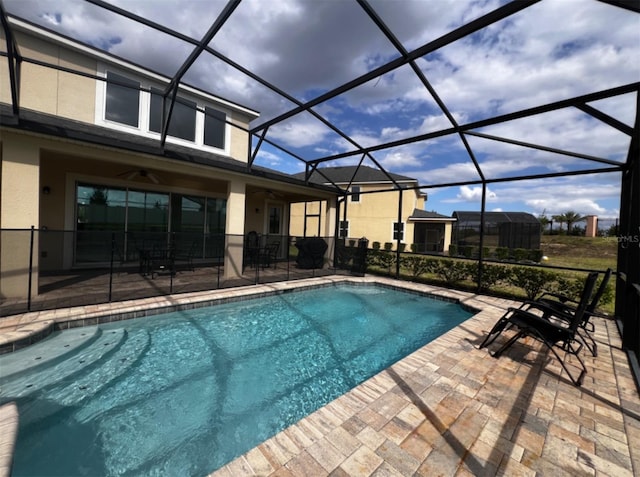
(184, 393)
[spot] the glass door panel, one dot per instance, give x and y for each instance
(100, 211)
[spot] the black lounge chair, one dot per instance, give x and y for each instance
(552, 327)
(568, 306)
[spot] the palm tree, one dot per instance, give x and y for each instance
(571, 217)
(560, 219)
(544, 221)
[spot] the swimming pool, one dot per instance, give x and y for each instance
(183, 393)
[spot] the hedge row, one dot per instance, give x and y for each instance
(533, 281)
(498, 253)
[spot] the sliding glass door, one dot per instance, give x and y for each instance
(144, 219)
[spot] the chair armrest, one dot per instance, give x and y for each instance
(556, 296)
(548, 310)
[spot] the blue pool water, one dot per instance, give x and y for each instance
(185, 392)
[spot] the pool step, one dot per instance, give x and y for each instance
(54, 349)
(98, 374)
(61, 366)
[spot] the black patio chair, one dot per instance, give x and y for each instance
(269, 254)
(552, 327)
(568, 306)
(252, 248)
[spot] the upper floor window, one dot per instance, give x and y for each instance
(136, 107)
(122, 103)
(214, 127)
(183, 117)
(355, 194)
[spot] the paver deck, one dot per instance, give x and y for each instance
(447, 409)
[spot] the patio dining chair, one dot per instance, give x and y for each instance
(568, 306)
(269, 254)
(554, 328)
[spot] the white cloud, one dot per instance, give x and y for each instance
(474, 194)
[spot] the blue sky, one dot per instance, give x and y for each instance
(553, 50)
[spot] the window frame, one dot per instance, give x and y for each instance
(147, 83)
(343, 231)
(401, 231)
(355, 194)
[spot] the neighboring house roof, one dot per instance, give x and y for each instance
(56, 126)
(344, 174)
(419, 215)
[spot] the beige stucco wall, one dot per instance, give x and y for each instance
(49, 90)
(372, 217)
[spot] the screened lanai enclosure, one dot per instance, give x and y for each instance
(491, 105)
(508, 230)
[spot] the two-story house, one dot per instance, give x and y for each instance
(383, 207)
(84, 157)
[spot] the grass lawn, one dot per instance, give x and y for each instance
(596, 253)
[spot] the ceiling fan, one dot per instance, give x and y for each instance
(268, 193)
(132, 174)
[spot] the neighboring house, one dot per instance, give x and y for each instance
(81, 151)
(432, 231)
(375, 215)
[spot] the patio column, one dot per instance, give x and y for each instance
(236, 195)
(330, 226)
(19, 209)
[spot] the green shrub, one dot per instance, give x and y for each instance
(416, 265)
(375, 245)
(381, 258)
(401, 247)
(502, 253)
(352, 243)
(413, 247)
(467, 251)
(486, 252)
(491, 275)
(453, 250)
(535, 255)
(520, 254)
(531, 280)
(388, 246)
(451, 271)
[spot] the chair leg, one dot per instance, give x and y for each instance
(497, 329)
(589, 342)
(578, 382)
(508, 344)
